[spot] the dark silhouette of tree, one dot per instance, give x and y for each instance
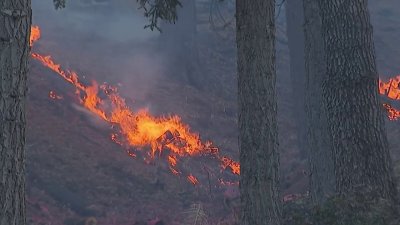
(179, 42)
(295, 35)
(360, 148)
(258, 136)
(15, 24)
(259, 157)
(321, 174)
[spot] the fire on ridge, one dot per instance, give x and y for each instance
(139, 129)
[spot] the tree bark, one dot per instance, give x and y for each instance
(15, 24)
(361, 156)
(258, 138)
(179, 41)
(295, 35)
(322, 180)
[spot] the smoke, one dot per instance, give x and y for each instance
(104, 41)
(94, 121)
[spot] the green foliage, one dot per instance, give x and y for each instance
(59, 4)
(156, 10)
(195, 215)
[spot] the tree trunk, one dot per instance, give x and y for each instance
(15, 24)
(360, 145)
(295, 35)
(322, 180)
(258, 138)
(179, 41)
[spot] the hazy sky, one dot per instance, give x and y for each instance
(115, 21)
(107, 43)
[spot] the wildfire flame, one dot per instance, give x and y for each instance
(138, 129)
(35, 35)
(144, 131)
(193, 179)
(391, 89)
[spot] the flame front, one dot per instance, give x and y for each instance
(143, 131)
(35, 35)
(139, 129)
(390, 88)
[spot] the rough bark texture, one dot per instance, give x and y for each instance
(258, 138)
(322, 180)
(360, 145)
(295, 35)
(15, 23)
(179, 41)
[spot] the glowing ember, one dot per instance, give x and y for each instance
(139, 129)
(54, 96)
(227, 162)
(192, 179)
(393, 113)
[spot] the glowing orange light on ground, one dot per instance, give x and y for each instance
(139, 129)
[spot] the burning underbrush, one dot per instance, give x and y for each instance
(201, 171)
(76, 169)
(139, 132)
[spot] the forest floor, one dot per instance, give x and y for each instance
(74, 170)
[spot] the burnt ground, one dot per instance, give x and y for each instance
(74, 170)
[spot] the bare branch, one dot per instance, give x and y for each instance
(156, 10)
(59, 4)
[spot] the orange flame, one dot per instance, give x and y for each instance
(391, 89)
(227, 162)
(140, 130)
(35, 35)
(192, 179)
(172, 160)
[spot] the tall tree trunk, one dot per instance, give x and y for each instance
(295, 35)
(322, 180)
(355, 119)
(179, 40)
(258, 137)
(15, 24)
